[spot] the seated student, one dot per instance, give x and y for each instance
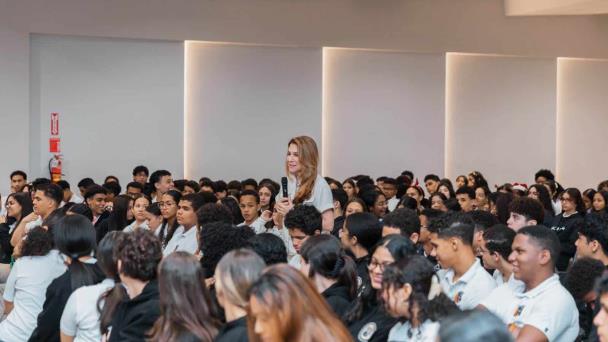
(138, 213)
(303, 221)
(340, 199)
(134, 304)
(424, 239)
(168, 209)
(495, 250)
(154, 217)
(361, 232)
(219, 238)
(439, 201)
(269, 247)
(187, 311)
(95, 198)
(162, 181)
(368, 319)
(250, 207)
(375, 202)
(220, 188)
(544, 311)
(402, 221)
(80, 318)
(355, 205)
(462, 277)
(592, 239)
(431, 182)
(18, 206)
(74, 237)
(406, 288)
(234, 275)
(47, 198)
(282, 296)
(68, 195)
(466, 198)
(332, 272)
(84, 184)
(185, 236)
(389, 188)
(525, 211)
(580, 282)
(482, 220)
(119, 218)
(27, 282)
(140, 174)
(601, 319)
(564, 225)
(134, 188)
(113, 189)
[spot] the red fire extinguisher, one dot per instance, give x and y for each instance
(55, 168)
(54, 147)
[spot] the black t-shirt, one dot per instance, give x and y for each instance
(338, 298)
(235, 331)
(373, 326)
(362, 271)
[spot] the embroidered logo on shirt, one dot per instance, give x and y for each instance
(367, 331)
(516, 315)
(458, 297)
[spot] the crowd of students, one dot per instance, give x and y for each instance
(311, 259)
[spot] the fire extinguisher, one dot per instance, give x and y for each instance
(55, 168)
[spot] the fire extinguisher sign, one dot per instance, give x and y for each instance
(54, 123)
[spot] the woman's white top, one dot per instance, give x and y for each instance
(321, 197)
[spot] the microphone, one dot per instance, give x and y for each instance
(284, 186)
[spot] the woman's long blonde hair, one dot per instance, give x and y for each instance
(309, 161)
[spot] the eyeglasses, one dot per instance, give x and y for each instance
(568, 199)
(374, 263)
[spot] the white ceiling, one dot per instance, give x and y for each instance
(555, 7)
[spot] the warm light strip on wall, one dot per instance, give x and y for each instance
(324, 119)
(186, 110)
(447, 119)
(558, 83)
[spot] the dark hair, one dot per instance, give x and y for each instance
(349, 181)
(75, 237)
(81, 209)
(249, 182)
(603, 184)
(463, 232)
(51, 221)
(94, 190)
(408, 173)
(545, 238)
(197, 200)
(365, 227)
(25, 201)
(135, 185)
(118, 217)
(141, 168)
(156, 176)
(140, 252)
(576, 196)
(220, 186)
(364, 181)
(408, 202)
(431, 177)
(166, 233)
(400, 247)
(474, 325)
(106, 253)
(193, 185)
(325, 256)
(111, 177)
(63, 184)
(431, 213)
(179, 184)
(544, 197)
(234, 185)
(305, 218)
(52, 192)
(85, 183)
(503, 200)
(206, 183)
(330, 181)
(18, 173)
(213, 212)
(357, 200)
(466, 190)
(185, 303)
(582, 275)
(154, 209)
(112, 187)
(604, 194)
(340, 196)
(405, 219)
(219, 238)
(448, 184)
(269, 247)
(233, 205)
(253, 193)
(529, 207)
(38, 242)
(482, 219)
(602, 285)
(370, 197)
(499, 239)
(547, 174)
(595, 228)
(478, 179)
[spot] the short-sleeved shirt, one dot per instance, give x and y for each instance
(80, 316)
(26, 289)
(427, 331)
(182, 241)
(321, 197)
(516, 285)
(474, 286)
(548, 307)
(31, 225)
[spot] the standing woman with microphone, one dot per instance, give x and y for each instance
(303, 184)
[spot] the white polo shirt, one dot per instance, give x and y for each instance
(182, 241)
(392, 203)
(549, 307)
(321, 197)
(475, 285)
(516, 285)
(427, 332)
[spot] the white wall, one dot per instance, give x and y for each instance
(120, 102)
(384, 113)
(244, 103)
(582, 119)
(500, 116)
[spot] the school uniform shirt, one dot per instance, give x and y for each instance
(257, 225)
(362, 271)
(80, 317)
(134, 318)
(57, 295)
(403, 332)
(474, 285)
(295, 261)
(548, 307)
(392, 203)
(338, 224)
(131, 227)
(512, 282)
(76, 199)
(26, 288)
(374, 325)
(565, 228)
(30, 225)
(235, 331)
(338, 298)
(557, 206)
(182, 241)
(320, 197)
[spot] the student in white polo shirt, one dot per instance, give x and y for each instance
(185, 236)
(462, 277)
(495, 249)
(545, 310)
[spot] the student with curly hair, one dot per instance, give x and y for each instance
(303, 221)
